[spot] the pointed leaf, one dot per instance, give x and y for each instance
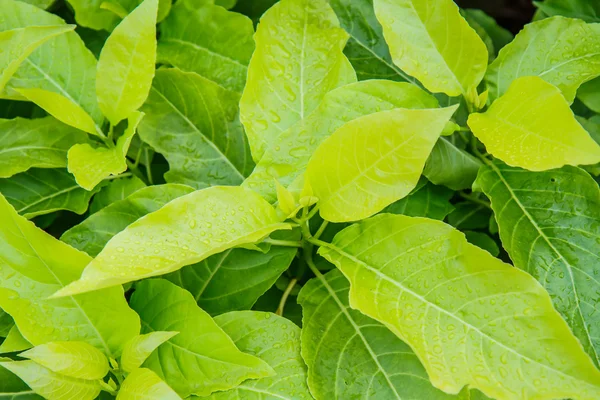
(143, 383)
(298, 59)
(181, 231)
(417, 33)
(426, 200)
(451, 166)
(139, 348)
(126, 64)
(532, 127)
(35, 265)
(470, 318)
(117, 190)
(14, 342)
(372, 161)
(202, 358)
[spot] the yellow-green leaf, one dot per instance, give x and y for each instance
(470, 318)
(139, 348)
(127, 62)
(531, 126)
(185, 231)
(14, 342)
(145, 384)
(372, 161)
(431, 41)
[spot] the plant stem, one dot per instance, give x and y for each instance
(123, 175)
(136, 171)
(149, 172)
(474, 199)
(285, 296)
(321, 229)
(284, 243)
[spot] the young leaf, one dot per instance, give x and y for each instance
(143, 383)
(470, 318)
(275, 340)
(531, 126)
(35, 265)
(589, 94)
(202, 358)
(185, 231)
(208, 40)
(298, 59)
(564, 52)
(139, 348)
(426, 200)
(14, 342)
(126, 64)
(74, 359)
(40, 143)
(418, 35)
(117, 190)
(548, 223)
(90, 165)
(372, 161)
(42, 191)
(51, 385)
(583, 9)
(194, 124)
(451, 166)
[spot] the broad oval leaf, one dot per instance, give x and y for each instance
(549, 224)
(35, 265)
(194, 124)
(564, 52)
(470, 318)
(531, 126)
(126, 64)
(201, 359)
(372, 161)
(139, 348)
(144, 383)
(74, 359)
(115, 191)
(298, 59)
(275, 340)
(417, 33)
(185, 231)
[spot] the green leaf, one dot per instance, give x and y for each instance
(13, 388)
(470, 318)
(206, 39)
(194, 124)
(185, 231)
(548, 224)
(90, 165)
(117, 190)
(43, 4)
(89, 14)
(95, 231)
(139, 348)
(39, 143)
(35, 265)
(275, 340)
(14, 342)
(589, 94)
(17, 44)
(500, 36)
(143, 383)
(290, 151)
(372, 161)
(564, 52)
(336, 339)
(6, 324)
(50, 385)
(74, 359)
(126, 64)
(417, 33)
(483, 241)
(298, 59)
(202, 358)
(426, 200)
(482, 33)
(470, 216)
(532, 126)
(583, 9)
(451, 166)
(42, 191)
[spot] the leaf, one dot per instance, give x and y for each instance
(337, 339)
(586, 10)
(298, 59)
(589, 94)
(500, 36)
(143, 383)
(17, 44)
(39, 143)
(117, 190)
(467, 215)
(13, 388)
(275, 340)
(89, 14)
(90, 165)
(483, 241)
(564, 52)
(470, 318)
(372, 161)
(417, 33)
(42, 191)
(43, 4)
(287, 157)
(532, 127)
(178, 235)
(35, 265)
(202, 358)
(94, 232)
(482, 33)
(50, 385)
(74, 359)
(139, 348)
(548, 224)
(194, 124)
(126, 64)
(14, 342)
(451, 166)
(426, 200)
(206, 39)
(6, 324)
